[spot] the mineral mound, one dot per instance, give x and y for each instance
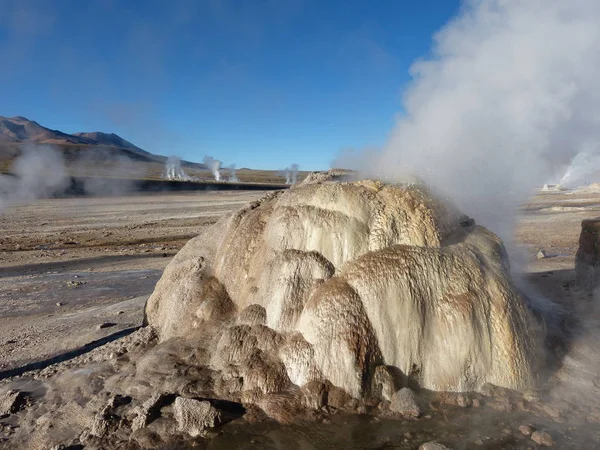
(357, 287)
(331, 297)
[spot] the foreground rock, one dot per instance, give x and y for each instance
(11, 402)
(330, 281)
(194, 416)
(587, 259)
(405, 402)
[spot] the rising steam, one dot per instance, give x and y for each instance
(174, 171)
(214, 165)
(585, 168)
(39, 172)
(509, 96)
(291, 174)
(233, 178)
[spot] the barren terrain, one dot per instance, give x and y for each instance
(67, 266)
(71, 266)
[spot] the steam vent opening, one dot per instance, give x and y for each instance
(359, 286)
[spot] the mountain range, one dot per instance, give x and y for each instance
(104, 154)
(20, 130)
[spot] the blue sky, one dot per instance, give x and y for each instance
(259, 83)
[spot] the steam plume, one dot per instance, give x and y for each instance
(508, 97)
(38, 172)
(214, 166)
(233, 174)
(585, 168)
(291, 174)
(174, 171)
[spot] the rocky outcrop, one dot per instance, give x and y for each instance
(587, 259)
(357, 285)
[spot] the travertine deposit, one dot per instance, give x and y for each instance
(362, 285)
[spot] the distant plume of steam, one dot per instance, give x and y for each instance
(214, 165)
(233, 174)
(174, 171)
(508, 97)
(584, 169)
(291, 174)
(38, 172)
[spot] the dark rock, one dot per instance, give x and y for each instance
(587, 259)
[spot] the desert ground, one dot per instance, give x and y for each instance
(71, 265)
(75, 274)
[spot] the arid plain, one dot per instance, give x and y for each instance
(75, 274)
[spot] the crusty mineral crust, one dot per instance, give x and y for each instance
(336, 282)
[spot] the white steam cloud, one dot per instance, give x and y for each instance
(37, 173)
(214, 165)
(174, 171)
(509, 96)
(585, 168)
(291, 174)
(233, 178)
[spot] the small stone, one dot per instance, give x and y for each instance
(404, 402)
(541, 254)
(337, 397)
(432, 445)
(59, 303)
(463, 401)
(526, 430)
(106, 325)
(383, 405)
(314, 395)
(148, 411)
(542, 438)
(194, 416)
(12, 402)
(476, 403)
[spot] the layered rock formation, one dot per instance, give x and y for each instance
(354, 285)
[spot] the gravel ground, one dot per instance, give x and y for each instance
(69, 265)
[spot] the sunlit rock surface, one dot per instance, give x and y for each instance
(360, 285)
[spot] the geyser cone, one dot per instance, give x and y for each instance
(337, 281)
